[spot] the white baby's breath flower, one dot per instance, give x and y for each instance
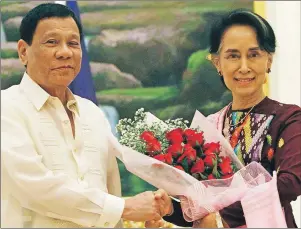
(131, 129)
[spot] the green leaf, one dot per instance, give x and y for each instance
(234, 168)
(201, 151)
(208, 170)
(196, 176)
(214, 171)
(218, 175)
(203, 176)
(185, 165)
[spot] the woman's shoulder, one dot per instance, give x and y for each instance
(284, 115)
(283, 109)
(273, 107)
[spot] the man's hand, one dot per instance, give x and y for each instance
(165, 202)
(143, 207)
(166, 208)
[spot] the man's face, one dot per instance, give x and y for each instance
(54, 57)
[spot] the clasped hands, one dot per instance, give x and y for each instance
(149, 207)
(165, 207)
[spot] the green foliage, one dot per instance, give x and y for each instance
(12, 9)
(203, 85)
(154, 63)
(174, 111)
(9, 53)
(129, 15)
(7, 3)
(196, 60)
(9, 80)
(185, 165)
(99, 81)
(12, 33)
(151, 92)
(88, 6)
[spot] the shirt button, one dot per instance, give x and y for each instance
(107, 224)
(81, 177)
(66, 122)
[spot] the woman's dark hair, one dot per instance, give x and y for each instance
(265, 34)
(46, 10)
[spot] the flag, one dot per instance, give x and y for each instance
(82, 85)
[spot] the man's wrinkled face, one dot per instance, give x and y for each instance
(54, 57)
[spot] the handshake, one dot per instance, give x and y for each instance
(148, 206)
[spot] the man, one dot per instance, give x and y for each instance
(57, 169)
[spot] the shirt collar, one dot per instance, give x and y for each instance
(38, 96)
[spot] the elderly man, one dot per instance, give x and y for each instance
(57, 167)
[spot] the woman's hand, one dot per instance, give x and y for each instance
(211, 221)
(166, 207)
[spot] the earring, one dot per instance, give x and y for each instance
(269, 70)
(220, 73)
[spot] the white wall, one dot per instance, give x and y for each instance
(284, 16)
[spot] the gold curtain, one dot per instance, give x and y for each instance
(260, 8)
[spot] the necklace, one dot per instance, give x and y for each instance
(242, 120)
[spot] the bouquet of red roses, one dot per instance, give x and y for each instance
(188, 162)
(188, 151)
(177, 145)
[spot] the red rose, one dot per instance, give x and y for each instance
(225, 165)
(188, 133)
(147, 136)
(227, 176)
(212, 147)
(153, 146)
(175, 149)
(211, 177)
(179, 167)
(198, 167)
(187, 147)
(180, 159)
(189, 153)
(209, 160)
(175, 136)
(168, 158)
(225, 159)
(196, 139)
(160, 157)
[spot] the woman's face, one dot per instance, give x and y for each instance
(241, 62)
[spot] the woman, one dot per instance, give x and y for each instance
(259, 129)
